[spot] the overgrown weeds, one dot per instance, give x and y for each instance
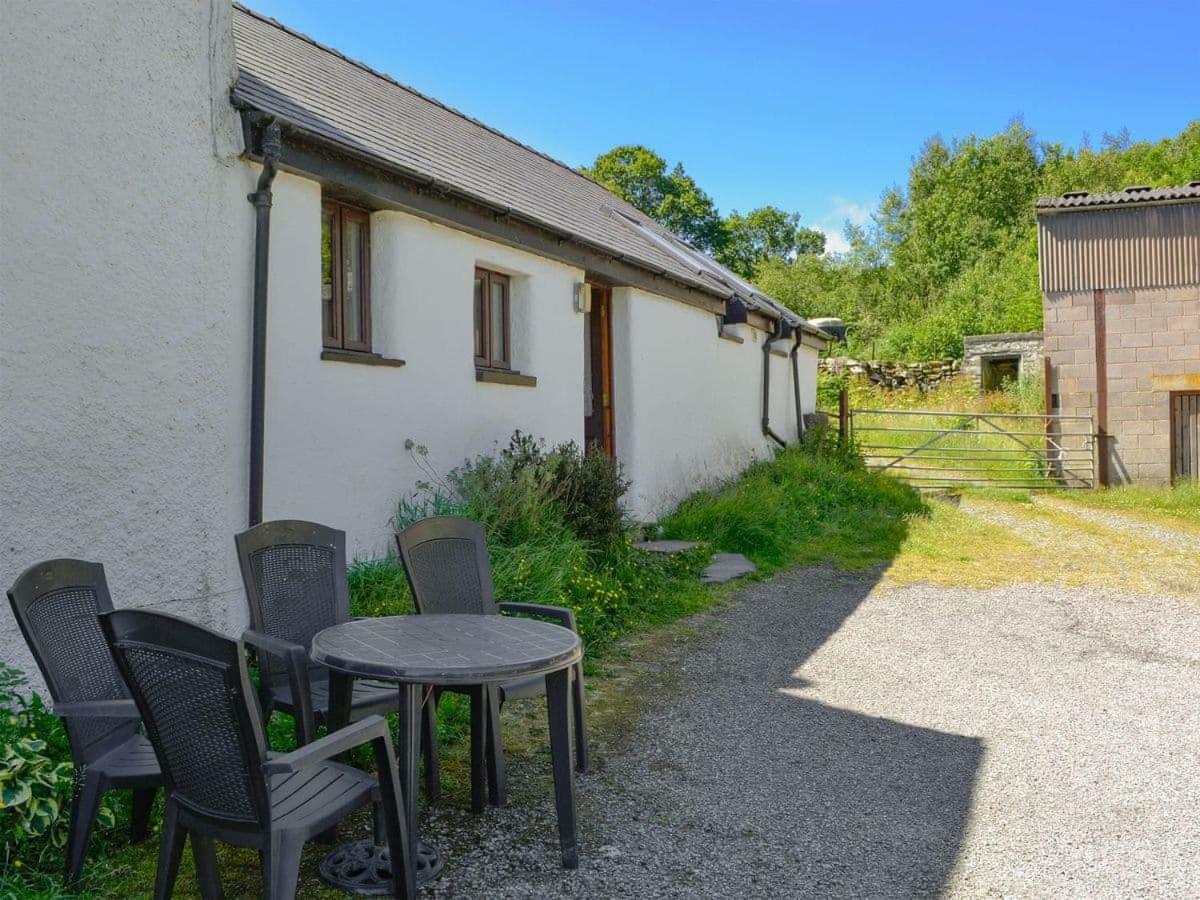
(957, 394)
(557, 534)
(809, 504)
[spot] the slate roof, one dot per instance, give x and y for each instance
(320, 91)
(1130, 196)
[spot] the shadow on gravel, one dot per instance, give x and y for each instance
(879, 808)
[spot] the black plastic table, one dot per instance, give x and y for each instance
(420, 650)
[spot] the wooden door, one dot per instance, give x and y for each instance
(1185, 436)
(597, 355)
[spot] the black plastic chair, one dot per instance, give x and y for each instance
(56, 604)
(446, 561)
(295, 578)
(194, 692)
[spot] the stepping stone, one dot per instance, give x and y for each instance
(726, 567)
(666, 546)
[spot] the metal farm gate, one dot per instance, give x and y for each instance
(942, 450)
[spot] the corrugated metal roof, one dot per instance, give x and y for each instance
(1120, 247)
(320, 91)
(1127, 197)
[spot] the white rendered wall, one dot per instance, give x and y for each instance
(688, 404)
(335, 432)
(125, 267)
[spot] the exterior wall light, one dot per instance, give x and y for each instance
(583, 297)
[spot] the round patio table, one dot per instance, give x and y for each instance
(419, 650)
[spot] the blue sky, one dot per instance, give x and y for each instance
(815, 107)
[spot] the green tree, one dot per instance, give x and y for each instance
(641, 177)
(951, 252)
(765, 233)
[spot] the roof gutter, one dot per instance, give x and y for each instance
(261, 198)
(794, 353)
(766, 384)
(336, 148)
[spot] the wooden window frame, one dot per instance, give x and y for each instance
(342, 214)
(489, 359)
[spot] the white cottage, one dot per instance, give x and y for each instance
(178, 362)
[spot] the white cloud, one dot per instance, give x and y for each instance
(835, 240)
(848, 210)
(833, 223)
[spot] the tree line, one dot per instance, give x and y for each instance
(950, 253)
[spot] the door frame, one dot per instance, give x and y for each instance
(602, 307)
(1172, 396)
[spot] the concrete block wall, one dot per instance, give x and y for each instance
(1152, 340)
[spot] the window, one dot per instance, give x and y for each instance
(345, 277)
(492, 320)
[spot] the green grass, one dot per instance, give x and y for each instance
(1181, 502)
(1000, 495)
(809, 504)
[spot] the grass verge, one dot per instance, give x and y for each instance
(809, 504)
(1181, 502)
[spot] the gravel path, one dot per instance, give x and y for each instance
(1179, 537)
(827, 737)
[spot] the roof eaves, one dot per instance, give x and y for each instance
(245, 103)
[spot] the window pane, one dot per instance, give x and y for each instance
(352, 290)
(328, 312)
(480, 342)
(499, 310)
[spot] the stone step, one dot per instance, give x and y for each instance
(726, 567)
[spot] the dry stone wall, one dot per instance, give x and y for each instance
(891, 375)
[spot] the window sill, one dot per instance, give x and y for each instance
(728, 334)
(360, 358)
(504, 376)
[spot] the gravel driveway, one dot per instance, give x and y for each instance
(827, 736)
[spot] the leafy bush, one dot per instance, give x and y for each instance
(557, 534)
(526, 477)
(36, 775)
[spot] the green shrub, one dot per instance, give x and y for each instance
(36, 776)
(590, 487)
(557, 534)
(513, 490)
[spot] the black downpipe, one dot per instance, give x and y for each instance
(261, 198)
(766, 393)
(796, 383)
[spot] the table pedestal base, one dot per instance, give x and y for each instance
(365, 868)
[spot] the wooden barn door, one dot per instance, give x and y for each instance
(1185, 436)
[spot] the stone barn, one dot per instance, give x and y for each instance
(992, 359)
(1120, 280)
